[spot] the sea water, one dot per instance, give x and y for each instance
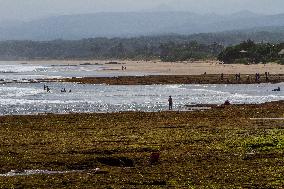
(21, 72)
(31, 98)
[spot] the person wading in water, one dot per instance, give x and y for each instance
(170, 103)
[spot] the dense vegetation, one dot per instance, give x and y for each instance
(170, 48)
(172, 52)
(251, 52)
(166, 48)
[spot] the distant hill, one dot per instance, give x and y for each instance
(197, 46)
(133, 24)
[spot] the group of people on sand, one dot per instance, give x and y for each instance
(123, 68)
(257, 76)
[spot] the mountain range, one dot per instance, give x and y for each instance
(133, 24)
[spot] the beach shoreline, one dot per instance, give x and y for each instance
(166, 68)
(152, 72)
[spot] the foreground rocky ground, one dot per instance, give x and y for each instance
(222, 148)
(176, 79)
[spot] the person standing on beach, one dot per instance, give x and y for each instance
(170, 103)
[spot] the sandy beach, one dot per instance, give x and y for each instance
(197, 68)
(155, 72)
(175, 68)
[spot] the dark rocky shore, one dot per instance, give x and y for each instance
(216, 148)
(175, 79)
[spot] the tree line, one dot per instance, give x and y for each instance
(249, 52)
(167, 48)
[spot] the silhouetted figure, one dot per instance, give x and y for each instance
(44, 87)
(238, 77)
(227, 102)
(248, 78)
(47, 89)
(63, 90)
(266, 76)
(70, 91)
(222, 76)
(122, 68)
(257, 77)
(170, 103)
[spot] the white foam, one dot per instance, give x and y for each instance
(18, 68)
(18, 92)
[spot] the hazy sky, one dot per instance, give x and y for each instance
(32, 9)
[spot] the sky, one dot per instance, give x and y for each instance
(35, 9)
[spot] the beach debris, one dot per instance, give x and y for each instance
(154, 158)
(113, 62)
(86, 64)
(13, 173)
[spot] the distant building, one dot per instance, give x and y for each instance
(281, 53)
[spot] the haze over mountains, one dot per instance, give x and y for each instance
(133, 24)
